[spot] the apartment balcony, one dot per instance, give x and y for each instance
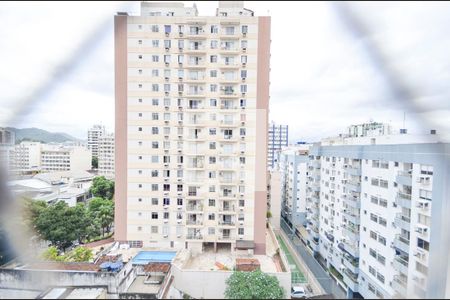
(228, 167)
(195, 138)
(194, 237)
(193, 208)
(329, 236)
(403, 200)
(194, 222)
(399, 284)
(229, 65)
(229, 138)
(229, 123)
(402, 221)
(195, 35)
(353, 186)
(350, 279)
(401, 243)
(351, 233)
(352, 249)
(229, 94)
(352, 202)
(229, 35)
(229, 50)
(229, 80)
(227, 223)
(354, 170)
(315, 164)
(195, 50)
(195, 65)
(198, 166)
(354, 218)
(404, 177)
(195, 80)
(351, 263)
(227, 209)
(228, 237)
(195, 123)
(313, 243)
(194, 180)
(195, 94)
(401, 264)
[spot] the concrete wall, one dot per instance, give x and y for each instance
(211, 284)
(275, 199)
(41, 279)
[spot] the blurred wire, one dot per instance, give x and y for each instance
(401, 90)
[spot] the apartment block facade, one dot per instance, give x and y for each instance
(106, 156)
(375, 214)
(63, 158)
(94, 134)
(292, 163)
(192, 98)
(278, 138)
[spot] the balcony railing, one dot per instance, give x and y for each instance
(194, 222)
(194, 237)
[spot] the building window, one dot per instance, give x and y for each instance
(211, 217)
(213, 59)
(154, 187)
(155, 43)
(154, 201)
(240, 231)
(154, 229)
(155, 28)
(155, 58)
(211, 202)
(244, 29)
(423, 244)
(213, 73)
(154, 215)
(211, 230)
(214, 44)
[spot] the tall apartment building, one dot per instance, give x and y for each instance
(62, 158)
(7, 142)
(106, 155)
(377, 214)
(192, 98)
(292, 166)
(278, 138)
(93, 135)
(7, 137)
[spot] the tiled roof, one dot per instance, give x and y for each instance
(157, 267)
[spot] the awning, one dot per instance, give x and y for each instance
(244, 244)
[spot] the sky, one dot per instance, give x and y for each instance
(323, 77)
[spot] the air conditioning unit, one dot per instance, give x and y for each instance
(165, 236)
(166, 221)
(167, 48)
(241, 222)
(166, 207)
(241, 208)
(421, 230)
(178, 236)
(179, 221)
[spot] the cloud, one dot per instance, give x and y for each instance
(322, 79)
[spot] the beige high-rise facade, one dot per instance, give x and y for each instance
(192, 96)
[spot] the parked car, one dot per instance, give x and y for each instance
(298, 292)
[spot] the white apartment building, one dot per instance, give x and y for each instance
(376, 214)
(278, 138)
(7, 142)
(93, 136)
(26, 156)
(63, 158)
(292, 164)
(191, 127)
(7, 137)
(106, 155)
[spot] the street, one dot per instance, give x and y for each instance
(327, 283)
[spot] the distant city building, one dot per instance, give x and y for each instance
(292, 168)
(191, 127)
(26, 156)
(369, 129)
(106, 155)
(7, 137)
(93, 135)
(60, 158)
(277, 138)
(374, 212)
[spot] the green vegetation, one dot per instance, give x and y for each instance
(253, 285)
(268, 214)
(102, 187)
(336, 273)
(94, 162)
(296, 275)
(62, 225)
(79, 254)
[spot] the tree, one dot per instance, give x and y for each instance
(102, 187)
(61, 224)
(52, 253)
(253, 285)
(102, 211)
(79, 254)
(94, 162)
(31, 210)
